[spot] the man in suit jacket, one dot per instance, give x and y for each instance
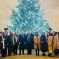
(21, 42)
(9, 43)
(5, 36)
(29, 42)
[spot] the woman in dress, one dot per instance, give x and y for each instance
(43, 43)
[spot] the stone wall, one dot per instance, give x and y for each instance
(51, 13)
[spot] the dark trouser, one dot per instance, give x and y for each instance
(47, 46)
(5, 49)
(56, 51)
(9, 48)
(0, 49)
(29, 48)
(21, 46)
(3, 52)
(15, 48)
(37, 50)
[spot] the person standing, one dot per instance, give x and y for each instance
(56, 51)
(54, 41)
(43, 43)
(15, 43)
(2, 45)
(29, 42)
(37, 45)
(9, 43)
(0, 42)
(49, 40)
(5, 36)
(21, 42)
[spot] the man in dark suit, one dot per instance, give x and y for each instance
(9, 43)
(21, 42)
(5, 36)
(29, 42)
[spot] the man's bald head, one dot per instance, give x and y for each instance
(29, 32)
(22, 32)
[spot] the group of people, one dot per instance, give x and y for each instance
(43, 43)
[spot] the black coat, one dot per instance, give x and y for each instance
(31, 39)
(43, 45)
(10, 40)
(0, 40)
(6, 39)
(22, 39)
(2, 45)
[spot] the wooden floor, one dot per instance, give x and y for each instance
(29, 56)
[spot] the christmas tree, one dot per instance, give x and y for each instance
(28, 17)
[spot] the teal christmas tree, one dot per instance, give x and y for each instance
(28, 17)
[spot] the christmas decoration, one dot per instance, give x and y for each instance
(50, 28)
(5, 28)
(28, 17)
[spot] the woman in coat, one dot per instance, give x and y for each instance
(49, 40)
(54, 41)
(43, 43)
(37, 45)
